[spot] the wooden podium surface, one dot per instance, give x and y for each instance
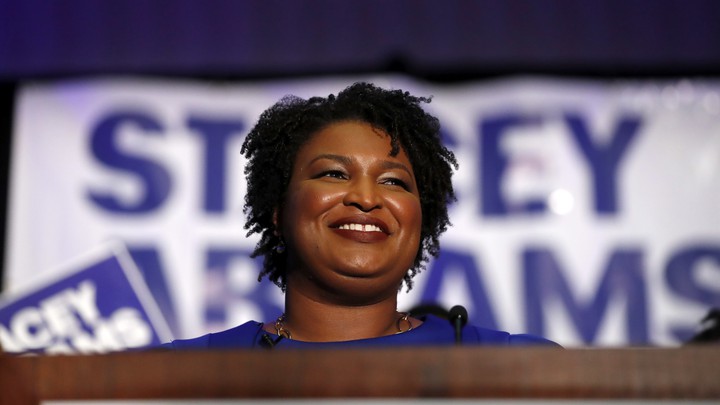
(449, 372)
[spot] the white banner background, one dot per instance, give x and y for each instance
(666, 179)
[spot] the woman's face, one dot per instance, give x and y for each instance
(351, 217)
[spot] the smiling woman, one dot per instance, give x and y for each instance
(351, 218)
(349, 194)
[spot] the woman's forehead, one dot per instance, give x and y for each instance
(351, 138)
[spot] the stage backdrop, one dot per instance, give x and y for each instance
(588, 211)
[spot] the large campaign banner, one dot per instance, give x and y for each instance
(587, 211)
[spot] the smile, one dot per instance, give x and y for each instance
(360, 227)
(360, 223)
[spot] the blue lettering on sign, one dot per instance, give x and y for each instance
(493, 164)
(604, 160)
(623, 278)
(155, 178)
(681, 276)
(219, 261)
(449, 261)
(216, 134)
(544, 281)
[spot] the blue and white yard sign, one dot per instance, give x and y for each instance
(587, 212)
(96, 304)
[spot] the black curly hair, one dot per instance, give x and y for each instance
(271, 147)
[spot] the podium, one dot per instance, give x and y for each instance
(400, 373)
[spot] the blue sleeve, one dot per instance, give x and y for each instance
(201, 342)
(242, 336)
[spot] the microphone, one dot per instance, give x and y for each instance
(709, 328)
(458, 317)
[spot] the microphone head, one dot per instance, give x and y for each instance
(458, 312)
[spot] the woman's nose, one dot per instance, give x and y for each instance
(363, 194)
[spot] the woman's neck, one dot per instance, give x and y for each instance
(308, 318)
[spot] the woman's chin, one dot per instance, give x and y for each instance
(356, 277)
(365, 283)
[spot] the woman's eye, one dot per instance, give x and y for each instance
(336, 174)
(395, 182)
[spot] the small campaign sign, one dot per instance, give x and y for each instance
(96, 304)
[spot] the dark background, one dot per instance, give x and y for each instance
(443, 41)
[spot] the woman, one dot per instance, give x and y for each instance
(349, 195)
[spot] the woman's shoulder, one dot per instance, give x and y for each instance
(240, 336)
(477, 335)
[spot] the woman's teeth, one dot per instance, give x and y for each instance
(360, 227)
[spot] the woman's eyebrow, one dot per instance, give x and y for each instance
(385, 164)
(338, 158)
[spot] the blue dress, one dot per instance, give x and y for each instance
(433, 332)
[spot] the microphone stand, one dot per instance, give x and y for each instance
(457, 316)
